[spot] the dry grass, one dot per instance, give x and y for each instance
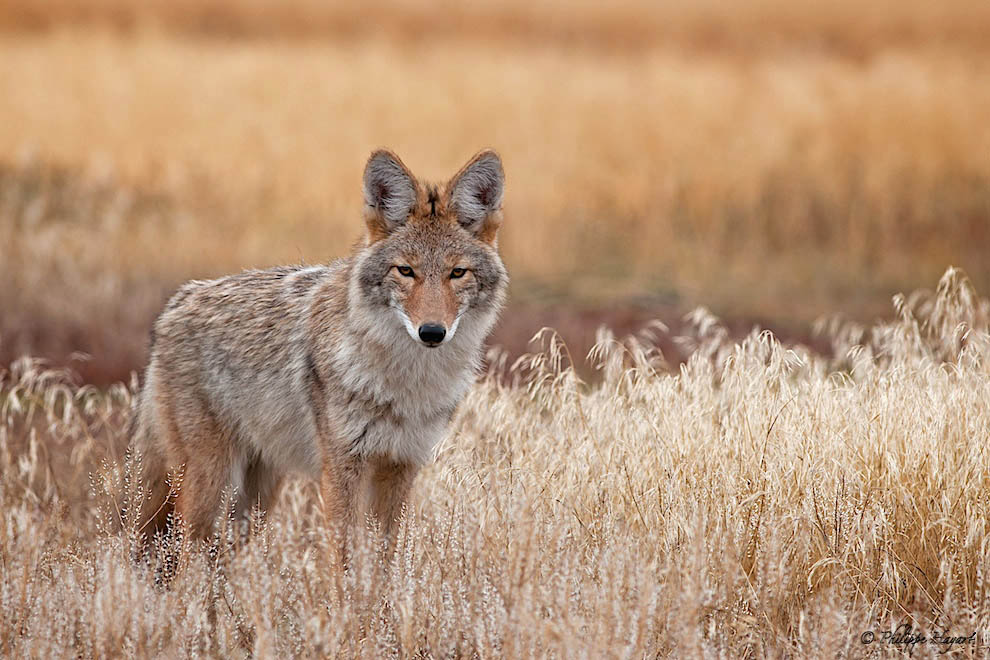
(759, 502)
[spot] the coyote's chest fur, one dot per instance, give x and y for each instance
(397, 404)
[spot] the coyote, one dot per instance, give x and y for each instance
(347, 372)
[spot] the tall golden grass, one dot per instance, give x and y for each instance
(758, 502)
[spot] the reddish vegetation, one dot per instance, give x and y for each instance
(113, 353)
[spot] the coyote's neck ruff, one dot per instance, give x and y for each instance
(348, 372)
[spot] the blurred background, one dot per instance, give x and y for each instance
(774, 160)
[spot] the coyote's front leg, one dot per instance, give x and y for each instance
(390, 485)
(339, 484)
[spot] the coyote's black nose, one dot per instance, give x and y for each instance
(432, 333)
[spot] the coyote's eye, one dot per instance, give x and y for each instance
(457, 272)
(405, 270)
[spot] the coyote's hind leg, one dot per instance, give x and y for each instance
(206, 455)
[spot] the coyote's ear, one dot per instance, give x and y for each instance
(389, 194)
(476, 195)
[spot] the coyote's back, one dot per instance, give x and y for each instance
(347, 372)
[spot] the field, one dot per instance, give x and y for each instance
(707, 491)
(760, 502)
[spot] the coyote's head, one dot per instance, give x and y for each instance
(430, 250)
